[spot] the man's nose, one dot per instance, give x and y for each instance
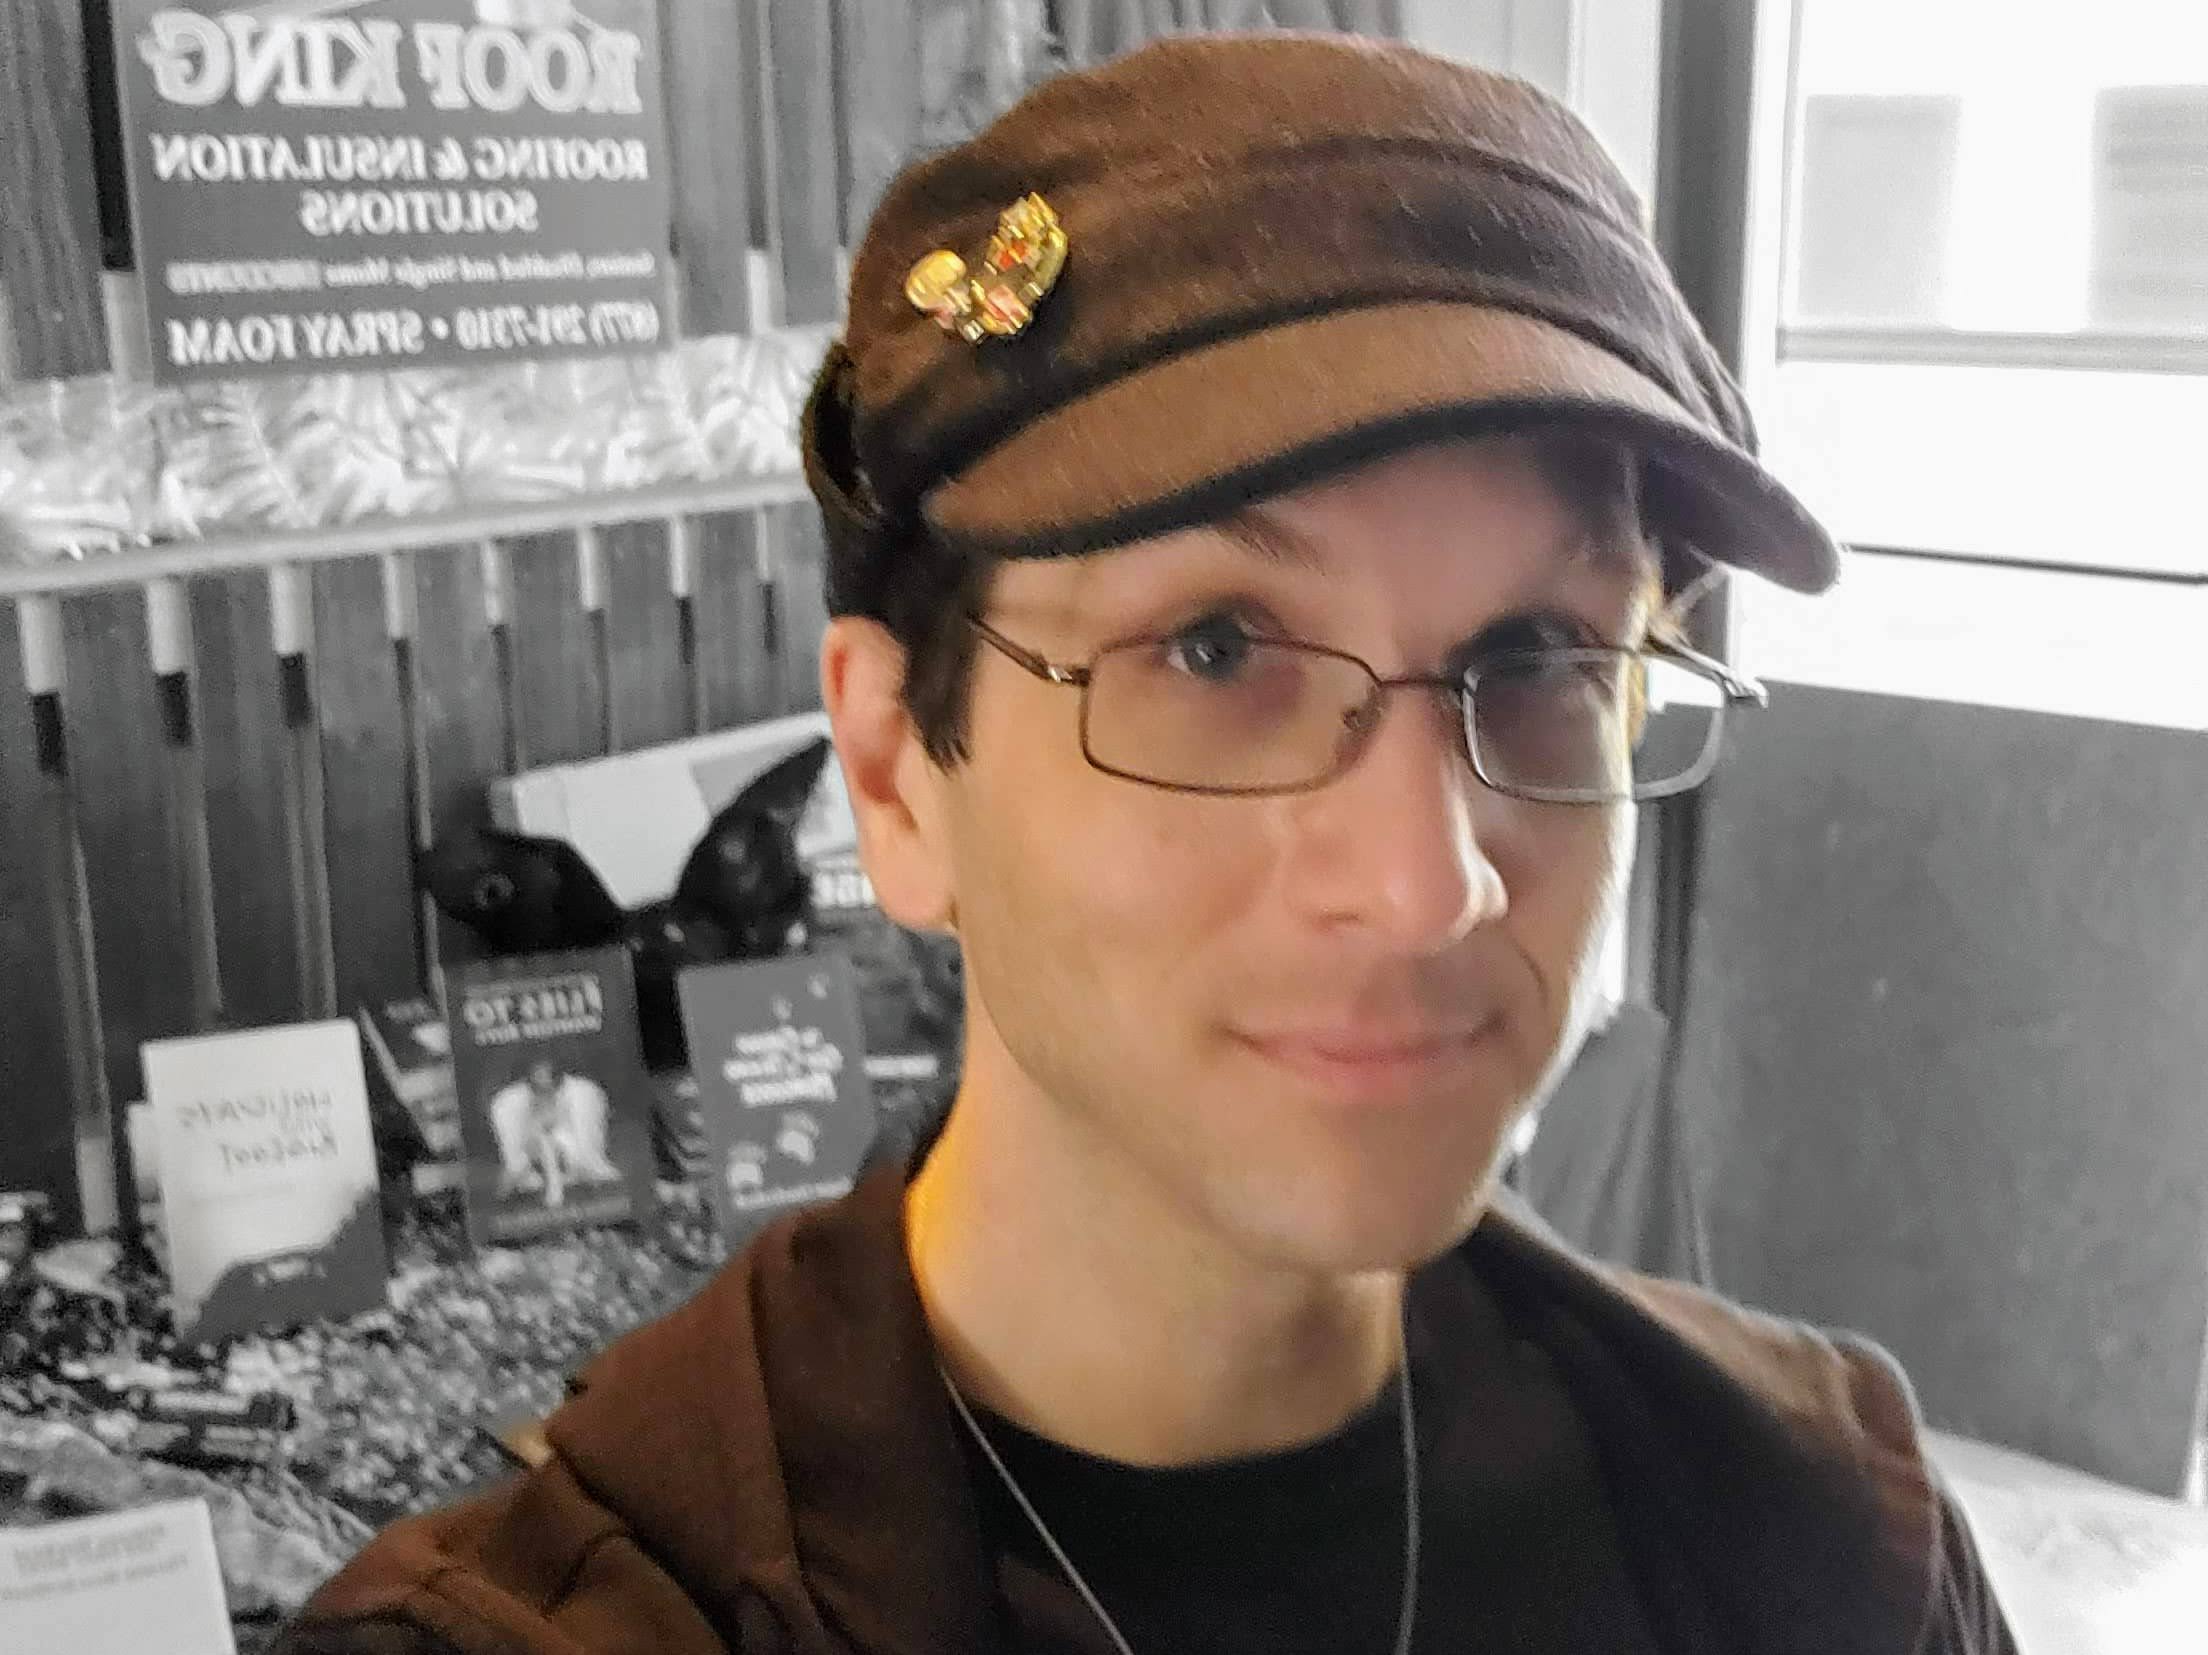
(1391, 847)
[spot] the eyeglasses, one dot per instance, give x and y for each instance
(1218, 709)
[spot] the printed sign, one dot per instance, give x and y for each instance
(268, 1177)
(781, 1069)
(555, 1104)
(325, 185)
(144, 1579)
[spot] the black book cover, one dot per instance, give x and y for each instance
(555, 1104)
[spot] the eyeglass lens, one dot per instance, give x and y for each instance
(1250, 715)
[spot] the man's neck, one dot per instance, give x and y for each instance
(1067, 1295)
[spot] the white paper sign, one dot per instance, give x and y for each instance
(123, 1584)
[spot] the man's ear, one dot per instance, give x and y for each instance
(895, 786)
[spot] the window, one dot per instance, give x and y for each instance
(1976, 341)
(2026, 183)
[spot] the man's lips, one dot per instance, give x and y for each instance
(1358, 1058)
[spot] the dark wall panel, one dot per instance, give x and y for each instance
(242, 735)
(736, 670)
(364, 786)
(132, 869)
(559, 680)
(464, 709)
(49, 230)
(648, 700)
(1946, 1060)
(37, 1126)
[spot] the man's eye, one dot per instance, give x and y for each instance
(1524, 634)
(1214, 649)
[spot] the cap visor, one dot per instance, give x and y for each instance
(1192, 436)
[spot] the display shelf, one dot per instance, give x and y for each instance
(396, 1411)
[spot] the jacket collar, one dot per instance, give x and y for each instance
(1780, 1467)
(786, 1435)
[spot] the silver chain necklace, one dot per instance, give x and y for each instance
(1406, 1617)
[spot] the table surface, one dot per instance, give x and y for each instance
(2083, 1566)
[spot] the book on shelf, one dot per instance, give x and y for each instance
(555, 1106)
(781, 1071)
(266, 1168)
(410, 1084)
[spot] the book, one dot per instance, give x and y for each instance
(410, 1078)
(267, 1173)
(142, 1579)
(911, 996)
(555, 1105)
(678, 1127)
(781, 1069)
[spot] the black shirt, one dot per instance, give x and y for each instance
(1303, 1550)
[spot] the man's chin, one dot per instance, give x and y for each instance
(1360, 1232)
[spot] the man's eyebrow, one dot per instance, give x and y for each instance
(1616, 541)
(1631, 560)
(1271, 539)
(1632, 569)
(1268, 538)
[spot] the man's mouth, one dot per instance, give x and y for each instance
(1356, 1061)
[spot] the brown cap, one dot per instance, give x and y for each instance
(1283, 255)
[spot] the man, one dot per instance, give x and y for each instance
(1259, 476)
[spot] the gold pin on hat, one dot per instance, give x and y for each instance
(1019, 266)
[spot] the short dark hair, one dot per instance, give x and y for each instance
(925, 604)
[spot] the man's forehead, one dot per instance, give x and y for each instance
(1591, 485)
(1592, 539)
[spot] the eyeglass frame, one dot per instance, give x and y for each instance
(1739, 690)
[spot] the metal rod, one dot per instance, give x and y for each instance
(682, 580)
(590, 569)
(417, 534)
(290, 611)
(38, 624)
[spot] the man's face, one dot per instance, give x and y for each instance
(1301, 1024)
(541, 1076)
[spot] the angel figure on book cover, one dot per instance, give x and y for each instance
(551, 1130)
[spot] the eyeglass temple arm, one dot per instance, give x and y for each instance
(1021, 656)
(1738, 686)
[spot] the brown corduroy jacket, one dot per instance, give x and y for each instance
(773, 1469)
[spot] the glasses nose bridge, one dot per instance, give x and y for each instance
(1364, 719)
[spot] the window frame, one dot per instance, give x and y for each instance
(2052, 563)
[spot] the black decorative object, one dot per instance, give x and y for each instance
(744, 893)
